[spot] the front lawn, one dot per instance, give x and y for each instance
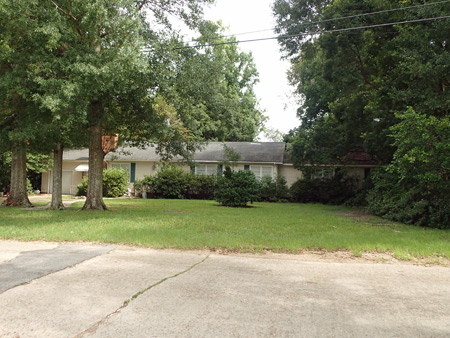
(190, 224)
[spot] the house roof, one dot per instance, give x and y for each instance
(251, 152)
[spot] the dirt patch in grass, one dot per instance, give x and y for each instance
(343, 256)
(354, 214)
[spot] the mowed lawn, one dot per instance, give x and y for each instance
(190, 224)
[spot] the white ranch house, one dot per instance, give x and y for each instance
(262, 158)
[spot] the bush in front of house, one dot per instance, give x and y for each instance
(115, 183)
(274, 189)
(82, 187)
(201, 187)
(330, 190)
(170, 182)
(174, 182)
(236, 188)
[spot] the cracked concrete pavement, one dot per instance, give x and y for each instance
(82, 290)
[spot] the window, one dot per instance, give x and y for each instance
(206, 169)
(124, 166)
(324, 173)
(261, 171)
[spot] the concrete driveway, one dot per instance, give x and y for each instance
(79, 290)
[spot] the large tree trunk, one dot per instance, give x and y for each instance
(57, 203)
(18, 192)
(94, 198)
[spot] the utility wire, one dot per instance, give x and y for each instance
(317, 32)
(336, 19)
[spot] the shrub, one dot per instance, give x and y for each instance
(170, 182)
(174, 182)
(115, 183)
(30, 189)
(82, 187)
(236, 188)
(415, 187)
(391, 198)
(274, 189)
(333, 190)
(201, 187)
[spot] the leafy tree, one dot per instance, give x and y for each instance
(415, 187)
(213, 86)
(353, 82)
(97, 63)
(20, 43)
(356, 86)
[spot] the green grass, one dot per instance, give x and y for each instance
(188, 224)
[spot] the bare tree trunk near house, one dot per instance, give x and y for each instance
(94, 198)
(57, 203)
(18, 192)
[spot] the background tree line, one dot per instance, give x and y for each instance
(383, 90)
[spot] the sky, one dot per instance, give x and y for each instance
(273, 90)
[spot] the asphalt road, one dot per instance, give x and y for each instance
(75, 290)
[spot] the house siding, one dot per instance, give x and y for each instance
(290, 174)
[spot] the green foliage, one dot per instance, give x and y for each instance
(360, 89)
(213, 87)
(170, 182)
(415, 187)
(5, 172)
(329, 190)
(353, 82)
(175, 183)
(231, 156)
(201, 187)
(236, 188)
(36, 164)
(30, 189)
(82, 187)
(115, 183)
(274, 189)
(67, 67)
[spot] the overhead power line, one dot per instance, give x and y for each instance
(317, 32)
(331, 20)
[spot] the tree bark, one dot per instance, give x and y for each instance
(18, 192)
(94, 198)
(57, 203)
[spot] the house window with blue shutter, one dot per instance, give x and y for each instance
(129, 168)
(133, 172)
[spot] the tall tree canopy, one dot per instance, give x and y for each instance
(76, 71)
(353, 82)
(94, 64)
(213, 85)
(359, 86)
